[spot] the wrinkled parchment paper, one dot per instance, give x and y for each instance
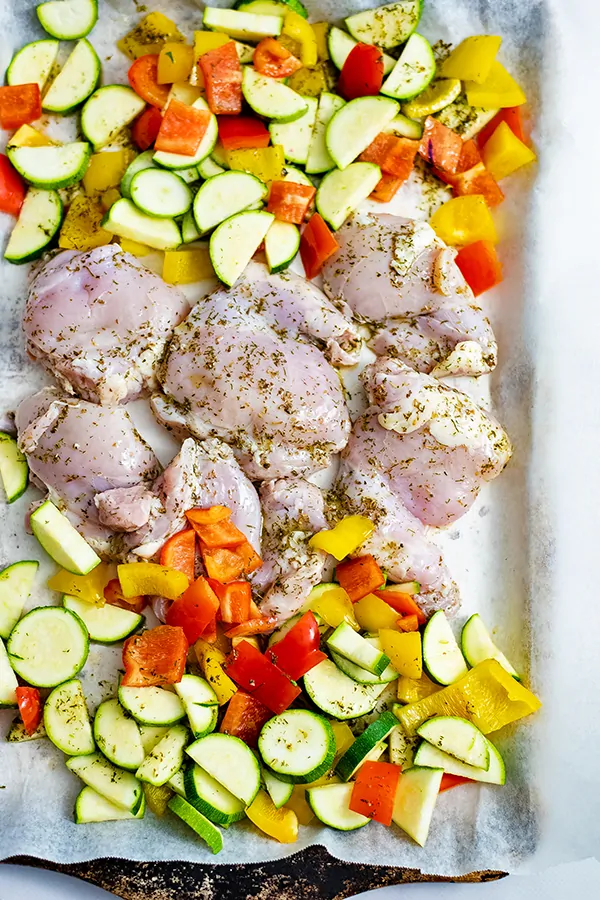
(525, 556)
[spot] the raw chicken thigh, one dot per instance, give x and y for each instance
(249, 366)
(402, 280)
(100, 322)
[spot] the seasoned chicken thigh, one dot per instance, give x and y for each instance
(100, 321)
(249, 366)
(401, 279)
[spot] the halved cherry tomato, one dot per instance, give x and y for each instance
(20, 104)
(182, 129)
(234, 600)
(144, 130)
(298, 652)
(273, 59)
(143, 75)
(257, 675)
(194, 610)
(155, 657)
(374, 791)
(316, 245)
(223, 79)
(114, 597)
(12, 188)
(359, 576)
(362, 73)
(480, 266)
(258, 625)
(242, 132)
(244, 717)
(30, 708)
(179, 552)
(289, 201)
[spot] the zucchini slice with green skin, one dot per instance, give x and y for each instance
(16, 582)
(8, 680)
(105, 624)
(414, 70)
(386, 26)
(76, 81)
(126, 220)
(465, 119)
(365, 744)
(279, 791)
(91, 806)
(295, 137)
(457, 737)
(296, 176)
(14, 470)
(477, 645)
(402, 126)
(402, 748)
(207, 145)
(151, 705)
(200, 702)
(337, 695)
(118, 735)
(144, 161)
(348, 643)
(18, 735)
(416, 796)
(160, 194)
(442, 656)
(61, 541)
(428, 755)
(189, 229)
(67, 721)
(343, 190)
(362, 675)
(271, 98)
(48, 646)
(52, 168)
(119, 787)
(210, 798)
(198, 823)
(272, 7)
(219, 156)
(223, 196)
(208, 168)
(33, 63)
(282, 243)
(340, 44)
(235, 241)
(39, 221)
(177, 784)
(318, 159)
(355, 125)
(298, 746)
(331, 805)
(108, 111)
(68, 20)
(151, 735)
(242, 26)
(167, 757)
(231, 762)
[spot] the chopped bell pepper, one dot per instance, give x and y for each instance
(245, 717)
(344, 538)
(440, 145)
(220, 534)
(182, 129)
(27, 136)
(299, 804)
(243, 132)
(359, 576)
(477, 181)
(281, 824)
(513, 118)
(155, 657)
(374, 791)
(480, 266)
(267, 163)
(402, 602)
(82, 225)
(298, 29)
(179, 552)
(194, 610)
(114, 597)
(343, 737)
(386, 188)
(473, 58)
(257, 675)
(208, 516)
(135, 248)
(221, 564)
(372, 613)
(150, 578)
(211, 659)
(234, 600)
(149, 36)
(487, 696)
(312, 82)
(274, 60)
(249, 557)
(410, 690)
(252, 639)
(106, 169)
(298, 652)
(408, 623)
(222, 75)
(20, 104)
(317, 244)
(334, 607)
(143, 78)
(175, 62)
(30, 708)
(186, 266)
(255, 625)
(157, 798)
(88, 587)
(144, 130)
(321, 32)
(109, 198)
(503, 153)
(290, 201)
(451, 781)
(208, 40)
(404, 651)
(497, 91)
(464, 220)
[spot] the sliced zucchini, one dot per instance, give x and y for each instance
(219, 156)
(402, 126)
(297, 745)
(76, 81)
(33, 63)
(14, 470)
(235, 241)
(127, 221)
(67, 721)
(198, 823)
(143, 161)
(190, 176)
(167, 757)
(272, 7)
(208, 167)
(296, 176)
(428, 755)
(365, 744)
(386, 26)
(18, 735)
(402, 748)
(318, 159)
(340, 696)
(416, 796)
(16, 582)
(210, 798)
(414, 70)
(282, 243)
(465, 119)
(151, 705)
(48, 646)
(441, 654)
(61, 541)
(119, 787)
(271, 98)
(189, 229)
(8, 680)
(207, 145)
(108, 111)
(355, 125)
(52, 168)
(279, 791)
(458, 737)
(177, 784)
(159, 193)
(105, 624)
(342, 191)
(224, 196)
(68, 20)
(200, 702)
(295, 137)
(243, 26)
(91, 806)
(331, 805)
(362, 675)
(340, 45)
(151, 735)
(231, 762)
(345, 641)
(39, 221)
(118, 735)
(477, 645)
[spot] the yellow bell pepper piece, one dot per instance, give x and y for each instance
(487, 695)
(149, 36)
(298, 29)
(410, 690)
(464, 220)
(135, 248)
(497, 91)
(334, 607)
(208, 40)
(250, 639)
(504, 153)
(109, 198)
(299, 804)
(157, 797)
(281, 824)
(321, 31)
(210, 660)
(473, 58)
(88, 587)
(372, 614)
(150, 578)
(344, 538)
(186, 266)
(343, 737)
(27, 136)
(106, 170)
(81, 229)
(266, 163)
(175, 62)
(404, 650)
(312, 82)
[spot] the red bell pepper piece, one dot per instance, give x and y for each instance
(377, 150)
(20, 104)
(362, 72)
(469, 157)
(512, 116)
(386, 188)
(274, 60)
(194, 610)
(256, 674)
(221, 534)
(289, 201)
(440, 146)
(143, 78)
(223, 79)
(480, 266)
(179, 552)
(210, 632)
(298, 652)
(241, 132)
(402, 603)
(209, 516)
(244, 718)
(114, 597)
(374, 791)
(144, 130)
(317, 244)
(234, 600)
(255, 625)
(249, 557)
(12, 188)
(221, 564)
(30, 708)
(155, 657)
(450, 781)
(359, 576)
(182, 129)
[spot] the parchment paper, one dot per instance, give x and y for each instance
(525, 556)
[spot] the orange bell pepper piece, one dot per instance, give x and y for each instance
(359, 576)
(221, 564)
(179, 552)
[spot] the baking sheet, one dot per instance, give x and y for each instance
(524, 556)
